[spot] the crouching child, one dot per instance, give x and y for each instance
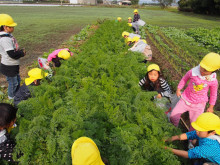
(35, 76)
(206, 126)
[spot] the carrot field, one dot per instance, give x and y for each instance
(96, 93)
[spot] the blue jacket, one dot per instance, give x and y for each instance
(209, 148)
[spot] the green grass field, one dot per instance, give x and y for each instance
(38, 25)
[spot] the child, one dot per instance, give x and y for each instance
(10, 54)
(136, 16)
(142, 47)
(7, 120)
(85, 152)
(206, 126)
(153, 81)
(194, 98)
(59, 54)
(134, 25)
(119, 19)
(128, 41)
(131, 35)
(35, 75)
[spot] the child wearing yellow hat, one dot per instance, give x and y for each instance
(35, 75)
(206, 126)
(141, 46)
(59, 54)
(134, 25)
(136, 16)
(85, 152)
(202, 79)
(126, 34)
(10, 54)
(154, 81)
(118, 19)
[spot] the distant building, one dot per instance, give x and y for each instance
(85, 2)
(11, 1)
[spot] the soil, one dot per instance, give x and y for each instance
(53, 41)
(159, 59)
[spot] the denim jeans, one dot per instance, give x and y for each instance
(13, 85)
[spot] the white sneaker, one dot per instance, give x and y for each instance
(10, 98)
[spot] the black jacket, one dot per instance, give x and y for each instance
(22, 94)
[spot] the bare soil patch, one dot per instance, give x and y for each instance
(53, 41)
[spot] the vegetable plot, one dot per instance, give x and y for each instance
(95, 94)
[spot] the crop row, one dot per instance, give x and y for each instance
(95, 94)
(182, 49)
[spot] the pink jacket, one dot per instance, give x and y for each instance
(198, 87)
(55, 53)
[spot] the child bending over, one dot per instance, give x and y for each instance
(206, 126)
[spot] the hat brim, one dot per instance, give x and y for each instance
(198, 128)
(29, 80)
(13, 25)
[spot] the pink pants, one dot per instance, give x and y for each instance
(194, 111)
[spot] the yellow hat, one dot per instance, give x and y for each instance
(211, 62)
(64, 54)
(35, 74)
(128, 40)
(144, 41)
(125, 34)
(135, 11)
(207, 122)
(7, 20)
(153, 67)
(85, 152)
(130, 24)
(129, 18)
(135, 39)
(119, 18)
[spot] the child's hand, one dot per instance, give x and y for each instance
(159, 96)
(210, 109)
(178, 92)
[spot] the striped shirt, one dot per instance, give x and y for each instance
(164, 90)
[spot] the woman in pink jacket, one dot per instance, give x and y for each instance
(201, 79)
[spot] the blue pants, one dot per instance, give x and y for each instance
(13, 85)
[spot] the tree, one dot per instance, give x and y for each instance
(134, 2)
(165, 3)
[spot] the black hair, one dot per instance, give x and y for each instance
(7, 114)
(2, 28)
(147, 85)
(105, 161)
(56, 61)
(210, 131)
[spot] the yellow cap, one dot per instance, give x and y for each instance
(211, 62)
(125, 34)
(7, 20)
(128, 40)
(85, 152)
(207, 122)
(144, 41)
(135, 39)
(153, 67)
(130, 24)
(135, 11)
(64, 54)
(35, 74)
(129, 18)
(119, 18)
